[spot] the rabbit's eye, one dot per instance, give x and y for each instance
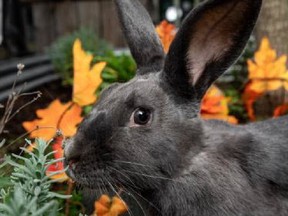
(141, 116)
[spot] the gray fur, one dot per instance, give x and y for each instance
(178, 164)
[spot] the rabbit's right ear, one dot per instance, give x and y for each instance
(211, 38)
(141, 36)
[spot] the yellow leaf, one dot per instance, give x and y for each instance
(86, 79)
(267, 73)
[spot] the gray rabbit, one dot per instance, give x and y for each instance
(146, 137)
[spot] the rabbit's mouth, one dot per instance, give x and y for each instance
(95, 179)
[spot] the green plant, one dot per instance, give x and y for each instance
(120, 68)
(30, 192)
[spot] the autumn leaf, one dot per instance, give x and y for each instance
(215, 106)
(267, 73)
(86, 79)
(281, 110)
(107, 207)
(166, 32)
(56, 116)
(249, 97)
(58, 166)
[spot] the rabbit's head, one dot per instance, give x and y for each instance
(141, 133)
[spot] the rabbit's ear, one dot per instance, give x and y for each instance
(211, 38)
(140, 34)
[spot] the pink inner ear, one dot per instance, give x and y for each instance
(213, 36)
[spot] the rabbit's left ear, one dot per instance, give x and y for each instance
(211, 38)
(140, 34)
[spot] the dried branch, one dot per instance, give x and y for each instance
(9, 112)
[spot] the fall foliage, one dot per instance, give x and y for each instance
(56, 116)
(215, 106)
(86, 79)
(106, 206)
(166, 32)
(266, 73)
(281, 110)
(58, 166)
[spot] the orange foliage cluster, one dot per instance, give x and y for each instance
(66, 117)
(215, 106)
(107, 207)
(166, 32)
(266, 73)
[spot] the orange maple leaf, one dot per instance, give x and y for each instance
(86, 79)
(267, 73)
(107, 207)
(58, 166)
(215, 106)
(166, 32)
(56, 116)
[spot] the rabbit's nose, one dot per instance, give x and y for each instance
(71, 153)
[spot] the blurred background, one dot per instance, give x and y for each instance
(30, 26)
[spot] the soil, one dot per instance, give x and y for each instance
(50, 92)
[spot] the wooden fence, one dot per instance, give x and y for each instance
(52, 19)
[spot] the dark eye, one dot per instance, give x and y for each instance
(141, 116)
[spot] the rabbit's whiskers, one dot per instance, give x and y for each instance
(115, 191)
(134, 163)
(130, 187)
(139, 204)
(151, 176)
(124, 175)
(138, 194)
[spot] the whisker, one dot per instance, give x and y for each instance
(150, 176)
(138, 194)
(130, 187)
(127, 177)
(105, 190)
(134, 163)
(113, 189)
(139, 204)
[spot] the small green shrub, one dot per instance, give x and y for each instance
(29, 193)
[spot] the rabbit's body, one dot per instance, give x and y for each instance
(146, 137)
(241, 170)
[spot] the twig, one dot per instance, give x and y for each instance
(63, 114)
(25, 105)
(25, 134)
(13, 97)
(68, 201)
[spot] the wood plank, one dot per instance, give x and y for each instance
(110, 28)
(66, 18)
(89, 16)
(44, 22)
